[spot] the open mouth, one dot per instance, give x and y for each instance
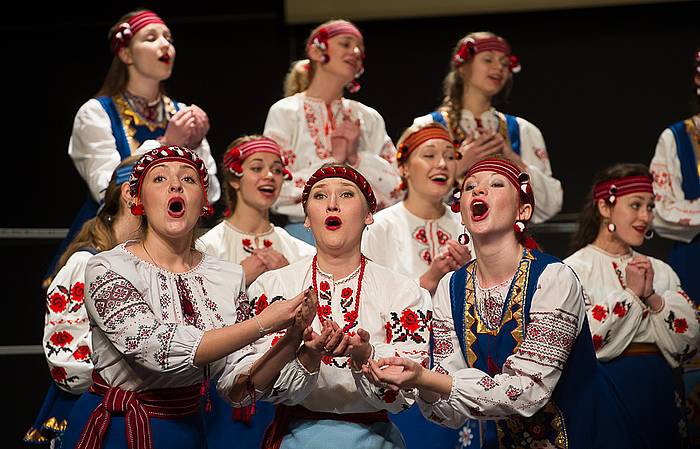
(479, 210)
(640, 229)
(496, 78)
(267, 190)
(439, 179)
(333, 222)
(165, 58)
(176, 207)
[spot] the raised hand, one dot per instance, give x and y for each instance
(644, 263)
(281, 314)
(306, 314)
(635, 278)
(271, 258)
(473, 149)
(360, 348)
(393, 372)
(180, 128)
(460, 253)
(200, 126)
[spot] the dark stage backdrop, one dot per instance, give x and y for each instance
(601, 84)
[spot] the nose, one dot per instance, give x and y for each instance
(164, 42)
(646, 215)
(441, 162)
(332, 205)
(176, 186)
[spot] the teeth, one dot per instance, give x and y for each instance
(440, 178)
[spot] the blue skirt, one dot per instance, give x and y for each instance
(325, 434)
(52, 419)
(222, 429)
(684, 259)
(649, 389)
(419, 433)
(179, 433)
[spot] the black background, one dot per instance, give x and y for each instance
(600, 83)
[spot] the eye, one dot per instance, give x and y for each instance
(189, 179)
(428, 155)
(497, 183)
(450, 156)
(347, 194)
(635, 206)
(469, 186)
(150, 37)
(159, 178)
(651, 207)
(276, 171)
(319, 195)
(256, 168)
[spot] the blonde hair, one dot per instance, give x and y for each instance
(453, 88)
(97, 232)
(118, 75)
(301, 72)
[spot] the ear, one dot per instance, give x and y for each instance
(307, 222)
(525, 212)
(403, 171)
(604, 208)
(235, 183)
(125, 193)
(124, 54)
(315, 55)
(369, 218)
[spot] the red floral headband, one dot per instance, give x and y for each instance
(611, 189)
(320, 39)
(128, 29)
(421, 136)
(470, 46)
(163, 154)
(234, 157)
(341, 171)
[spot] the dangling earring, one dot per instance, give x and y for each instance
(649, 234)
(463, 238)
(611, 227)
(325, 58)
(207, 211)
(137, 209)
(454, 202)
(519, 227)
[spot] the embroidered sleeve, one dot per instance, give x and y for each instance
(675, 326)
(126, 318)
(406, 333)
(674, 215)
(67, 338)
(214, 190)
(530, 375)
(549, 195)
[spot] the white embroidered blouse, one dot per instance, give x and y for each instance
(93, 149)
(617, 317)
(393, 309)
(408, 244)
(228, 243)
(303, 125)
(530, 375)
(148, 322)
(67, 339)
(674, 217)
(549, 195)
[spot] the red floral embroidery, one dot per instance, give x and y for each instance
(390, 396)
(324, 311)
(421, 236)
(246, 242)
(57, 302)
(82, 353)
(680, 325)
(389, 334)
(597, 342)
(261, 304)
(620, 309)
(409, 320)
(59, 374)
(247, 245)
(327, 359)
(351, 316)
(275, 340)
(599, 312)
(77, 292)
(267, 243)
(61, 338)
(323, 285)
(425, 255)
(346, 293)
(442, 237)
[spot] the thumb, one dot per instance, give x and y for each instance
(364, 335)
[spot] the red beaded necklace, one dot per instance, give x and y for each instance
(321, 316)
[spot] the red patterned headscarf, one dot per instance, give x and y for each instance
(341, 171)
(320, 39)
(128, 29)
(413, 141)
(471, 46)
(612, 189)
(234, 157)
(160, 155)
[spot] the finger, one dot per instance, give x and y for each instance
(364, 335)
(342, 348)
(178, 115)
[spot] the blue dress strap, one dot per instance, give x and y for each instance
(117, 129)
(513, 133)
(439, 118)
(458, 293)
(689, 163)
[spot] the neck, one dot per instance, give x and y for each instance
(124, 225)
(608, 242)
(143, 87)
(497, 258)
(173, 255)
(325, 87)
(249, 219)
(423, 207)
(339, 265)
(475, 101)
